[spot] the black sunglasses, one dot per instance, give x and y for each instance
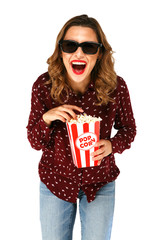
(70, 46)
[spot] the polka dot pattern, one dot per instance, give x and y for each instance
(56, 168)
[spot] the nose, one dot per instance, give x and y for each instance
(79, 53)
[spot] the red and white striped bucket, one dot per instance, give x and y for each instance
(83, 137)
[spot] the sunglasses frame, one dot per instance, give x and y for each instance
(80, 45)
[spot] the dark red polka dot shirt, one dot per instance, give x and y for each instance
(56, 168)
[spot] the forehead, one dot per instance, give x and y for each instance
(81, 34)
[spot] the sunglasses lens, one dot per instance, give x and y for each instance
(69, 46)
(90, 48)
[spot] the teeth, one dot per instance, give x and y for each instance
(78, 63)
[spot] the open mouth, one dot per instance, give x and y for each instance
(78, 67)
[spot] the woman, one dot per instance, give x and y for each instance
(80, 78)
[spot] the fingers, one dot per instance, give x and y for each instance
(100, 153)
(63, 113)
(67, 111)
(105, 148)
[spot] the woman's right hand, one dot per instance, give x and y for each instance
(63, 113)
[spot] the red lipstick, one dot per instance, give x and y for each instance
(78, 66)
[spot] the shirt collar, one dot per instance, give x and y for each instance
(91, 85)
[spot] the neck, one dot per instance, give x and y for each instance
(79, 87)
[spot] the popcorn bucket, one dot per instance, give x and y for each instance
(83, 137)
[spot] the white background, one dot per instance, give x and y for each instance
(28, 32)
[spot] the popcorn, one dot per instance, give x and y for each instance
(83, 135)
(84, 118)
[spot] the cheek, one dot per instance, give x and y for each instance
(65, 59)
(93, 63)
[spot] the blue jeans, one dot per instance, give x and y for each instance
(58, 216)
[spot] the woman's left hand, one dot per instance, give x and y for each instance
(105, 148)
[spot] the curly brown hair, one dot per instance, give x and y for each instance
(103, 73)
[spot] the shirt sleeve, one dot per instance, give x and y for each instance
(124, 121)
(38, 133)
